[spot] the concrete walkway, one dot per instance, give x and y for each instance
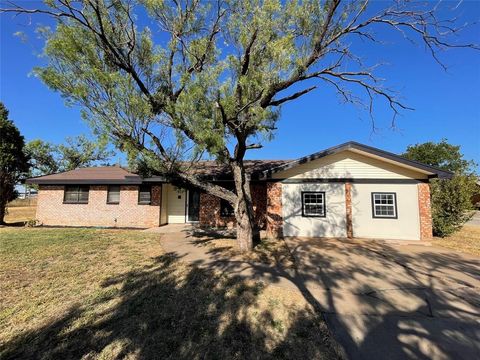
(380, 300)
(475, 219)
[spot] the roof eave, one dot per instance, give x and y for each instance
(430, 170)
(83, 182)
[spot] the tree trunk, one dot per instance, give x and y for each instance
(247, 231)
(2, 213)
(4, 195)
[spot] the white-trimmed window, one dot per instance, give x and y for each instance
(113, 194)
(313, 203)
(384, 205)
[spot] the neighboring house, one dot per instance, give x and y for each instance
(351, 190)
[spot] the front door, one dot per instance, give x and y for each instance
(193, 206)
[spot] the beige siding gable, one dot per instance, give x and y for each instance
(348, 164)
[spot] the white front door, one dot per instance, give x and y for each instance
(176, 205)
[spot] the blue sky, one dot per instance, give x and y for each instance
(447, 104)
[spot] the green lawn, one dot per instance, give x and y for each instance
(103, 294)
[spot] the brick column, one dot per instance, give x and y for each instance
(425, 211)
(348, 205)
(274, 210)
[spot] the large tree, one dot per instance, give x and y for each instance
(79, 151)
(451, 198)
(207, 78)
(13, 161)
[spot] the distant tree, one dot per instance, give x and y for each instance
(42, 156)
(442, 155)
(77, 152)
(451, 199)
(13, 161)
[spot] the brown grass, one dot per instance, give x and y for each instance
(466, 240)
(268, 251)
(105, 294)
(20, 214)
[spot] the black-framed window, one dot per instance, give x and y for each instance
(76, 194)
(384, 205)
(144, 194)
(113, 194)
(226, 209)
(313, 203)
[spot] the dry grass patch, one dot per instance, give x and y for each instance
(466, 240)
(268, 251)
(105, 294)
(20, 214)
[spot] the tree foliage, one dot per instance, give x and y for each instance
(13, 161)
(451, 198)
(77, 152)
(442, 155)
(208, 78)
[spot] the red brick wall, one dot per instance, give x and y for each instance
(128, 213)
(210, 208)
(274, 210)
(425, 211)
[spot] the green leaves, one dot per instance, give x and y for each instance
(77, 152)
(13, 159)
(442, 155)
(451, 199)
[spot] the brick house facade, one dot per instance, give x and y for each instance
(127, 213)
(347, 191)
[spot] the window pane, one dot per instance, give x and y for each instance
(226, 209)
(83, 194)
(144, 196)
(113, 194)
(70, 196)
(313, 204)
(384, 205)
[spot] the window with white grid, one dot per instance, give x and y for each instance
(313, 204)
(384, 205)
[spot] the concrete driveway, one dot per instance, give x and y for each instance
(384, 301)
(475, 219)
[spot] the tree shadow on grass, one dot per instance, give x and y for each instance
(170, 311)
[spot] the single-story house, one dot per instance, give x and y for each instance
(350, 190)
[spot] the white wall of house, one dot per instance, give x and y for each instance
(175, 204)
(349, 164)
(405, 227)
(332, 225)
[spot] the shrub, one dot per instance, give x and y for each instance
(451, 202)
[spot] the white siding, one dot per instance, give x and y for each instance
(333, 225)
(348, 164)
(405, 227)
(175, 205)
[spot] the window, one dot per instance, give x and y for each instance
(313, 204)
(144, 194)
(76, 194)
(226, 209)
(384, 205)
(113, 194)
